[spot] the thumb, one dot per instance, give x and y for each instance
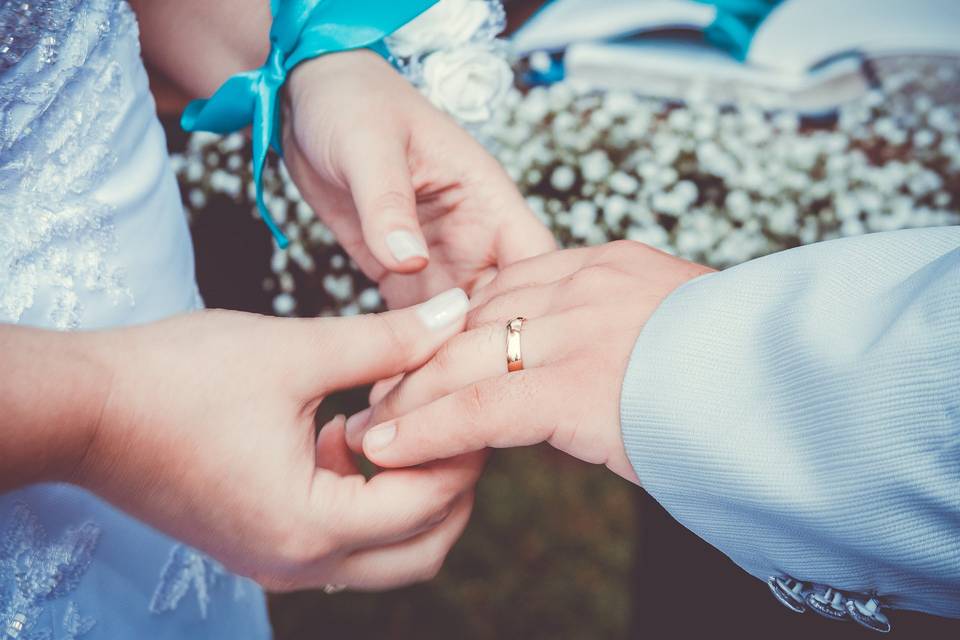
(372, 347)
(378, 175)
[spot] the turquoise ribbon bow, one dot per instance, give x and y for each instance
(302, 29)
(736, 23)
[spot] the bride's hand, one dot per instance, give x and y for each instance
(412, 197)
(208, 434)
(584, 309)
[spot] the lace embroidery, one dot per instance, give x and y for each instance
(185, 569)
(35, 571)
(59, 107)
(75, 625)
(35, 24)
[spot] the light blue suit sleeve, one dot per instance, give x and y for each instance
(801, 413)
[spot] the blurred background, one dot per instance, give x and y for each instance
(646, 126)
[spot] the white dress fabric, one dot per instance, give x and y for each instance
(93, 235)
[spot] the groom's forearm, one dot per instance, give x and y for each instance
(799, 412)
(52, 386)
(199, 44)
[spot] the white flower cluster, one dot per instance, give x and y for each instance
(724, 185)
(312, 276)
(716, 185)
(451, 52)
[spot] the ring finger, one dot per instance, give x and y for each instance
(538, 270)
(534, 301)
(467, 358)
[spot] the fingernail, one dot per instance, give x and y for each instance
(444, 309)
(358, 421)
(404, 245)
(379, 437)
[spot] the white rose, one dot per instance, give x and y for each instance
(447, 24)
(468, 83)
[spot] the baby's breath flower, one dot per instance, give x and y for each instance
(720, 185)
(284, 304)
(562, 178)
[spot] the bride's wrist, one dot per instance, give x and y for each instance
(51, 392)
(323, 71)
(91, 372)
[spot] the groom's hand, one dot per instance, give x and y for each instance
(207, 433)
(412, 197)
(584, 309)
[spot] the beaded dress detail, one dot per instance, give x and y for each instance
(93, 235)
(59, 91)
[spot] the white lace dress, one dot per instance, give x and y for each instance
(92, 235)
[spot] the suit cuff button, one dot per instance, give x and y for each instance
(829, 603)
(868, 614)
(788, 592)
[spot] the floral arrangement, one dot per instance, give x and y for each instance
(724, 185)
(720, 185)
(452, 54)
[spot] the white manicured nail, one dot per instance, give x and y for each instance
(379, 437)
(404, 245)
(444, 309)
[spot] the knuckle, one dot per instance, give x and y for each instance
(300, 547)
(472, 402)
(444, 360)
(484, 313)
(291, 549)
(622, 246)
(353, 245)
(448, 486)
(495, 311)
(585, 282)
(276, 583)
(475, 315)
(493, 336)
(392, 201)
(623, 257)
(394, 343)
(500, 282)
(446, 492)
(622, 249)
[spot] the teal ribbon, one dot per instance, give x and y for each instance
(302, 29)
(736, 23)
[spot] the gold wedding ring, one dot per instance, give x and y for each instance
(514, 355)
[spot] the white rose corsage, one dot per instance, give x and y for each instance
(452, 54)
